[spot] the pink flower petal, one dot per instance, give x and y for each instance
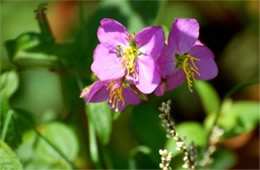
(149, 77)
(183, 35)
(106, 65)
(166, 61)
(111, 33)
(97, 92)
(207, 66)
(161, 89)
(150, 41)
(176, 79)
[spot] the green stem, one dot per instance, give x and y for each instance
(241, 86)
(43, 22)
(228, 94)
(6, 124)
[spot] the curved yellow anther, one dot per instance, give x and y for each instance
(190, 69)
(116, 95)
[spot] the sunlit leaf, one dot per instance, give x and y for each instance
(42, 154)
(166, 31)
(4, 105)
(93, 146)
(60, 135)
(236, 118)
(9, 82)
(31, 49)
(100, 116)
(209, 97)
(193, 131)
(9, 160)
(116, 115)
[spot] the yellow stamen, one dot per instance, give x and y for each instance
(190, 69)
(129, 56)
(116, 95)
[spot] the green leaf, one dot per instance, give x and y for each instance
(10, 124)
(31, 49)
(60, 135)
(139, 149)
(42, 153)
(248, 112)
(4, 106)
(116, 115)
(193, 132)
(40, 94)
(148, 16)
(223, 159)
(9, 82)
(165, 30)
(147, 126)
(6, 124)
(8, 160)
(209, 97)
(93, 146)
(100, 116)
(236, 118)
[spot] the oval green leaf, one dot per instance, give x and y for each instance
(8, 159)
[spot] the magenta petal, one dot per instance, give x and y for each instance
(207, 66)
(176, 79)
(149, 76)
(198, 42)
(106, 65)
(166, 61)
(150, 40)
(97, 92)
(130, 96)
(183, 35)
(161, 89)
(111, 33)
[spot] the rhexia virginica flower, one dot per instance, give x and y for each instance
(132, 57)
(116, 92)
(184, 56)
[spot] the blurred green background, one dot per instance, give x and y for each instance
(41, 81)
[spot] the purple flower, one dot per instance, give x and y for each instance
(116, 92)
(121, 55)
(185, 57)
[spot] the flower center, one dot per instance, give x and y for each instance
(186, 62)
(116, 95)
(129, 56)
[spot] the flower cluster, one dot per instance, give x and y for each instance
(213, 140)
(190, 152)
(166, 158)
(131, 65)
